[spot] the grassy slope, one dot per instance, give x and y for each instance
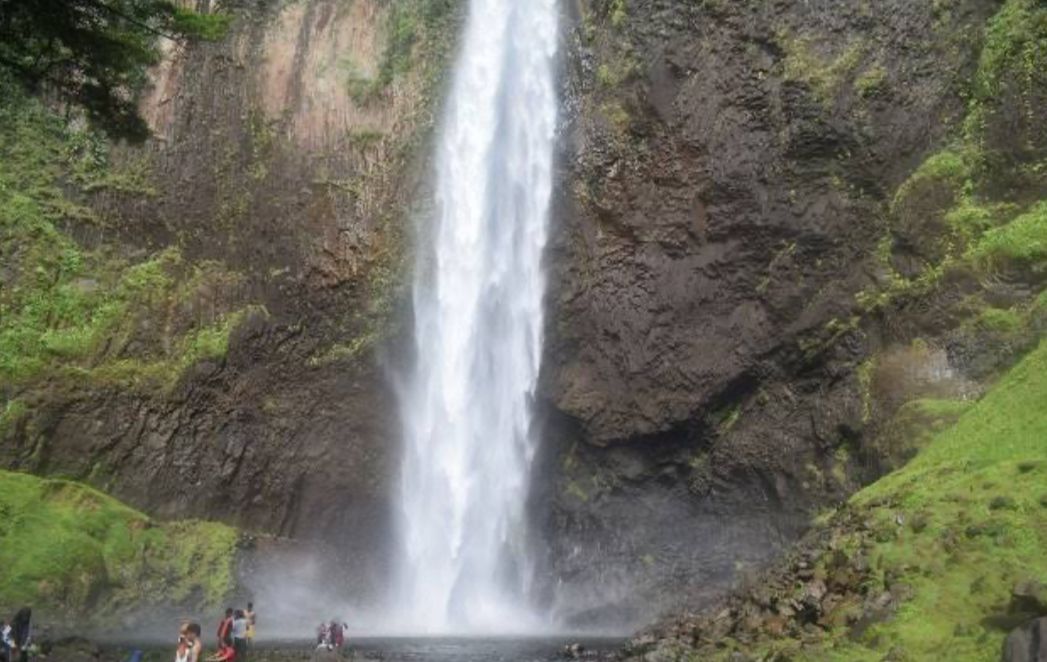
(69, 548)
(967, 519)
(961, 524)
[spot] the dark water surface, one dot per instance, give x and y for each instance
(475, 650)
(405, 649)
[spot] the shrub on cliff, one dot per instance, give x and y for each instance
(95, 53)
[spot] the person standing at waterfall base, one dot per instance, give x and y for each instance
(196, 640)
(251, 620)
(5, 641)
(21, 635)
(239, 633)
(323, 636)
(337, 635)
(184, 652)
(225, 629)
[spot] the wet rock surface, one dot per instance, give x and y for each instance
(1027, 643)
(728, 169)
(815, 589)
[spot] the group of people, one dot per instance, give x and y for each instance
(16, 636)
(331, 635)
(235, 634)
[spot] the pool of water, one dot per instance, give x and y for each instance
(407, 649)
(475, 650)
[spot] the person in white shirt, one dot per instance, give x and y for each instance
(240, 635)
(6, 642)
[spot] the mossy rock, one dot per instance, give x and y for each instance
(913, 428)
(922, 203)
(70, 550)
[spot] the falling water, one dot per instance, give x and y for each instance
(478, 330)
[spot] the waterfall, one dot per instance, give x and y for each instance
(478, 319)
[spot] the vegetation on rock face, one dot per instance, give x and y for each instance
(919, 565)
(1021, 243)
(981, 202)
(963, 523)
(72, 311)
(823, 74)
(67, 548)
(96, 53)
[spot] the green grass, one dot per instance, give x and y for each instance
(977, 492)
(1022, 243)
(68, 548)
(949, 170)
(1000, 320)
(12, 412)
(913, 427)
(871, 81)
(618, 12)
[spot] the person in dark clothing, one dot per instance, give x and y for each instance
(21, 635)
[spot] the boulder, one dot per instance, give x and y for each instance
(1029, 597)
(1027, 643)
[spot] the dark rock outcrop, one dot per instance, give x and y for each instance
(728, 168)
(1027, 643)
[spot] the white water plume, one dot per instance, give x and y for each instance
(478, 292)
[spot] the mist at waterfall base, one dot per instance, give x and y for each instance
(466, 563)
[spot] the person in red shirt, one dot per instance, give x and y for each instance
(337, 636)
(225, 629)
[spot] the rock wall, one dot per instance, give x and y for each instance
(730, 170)
(281, 172)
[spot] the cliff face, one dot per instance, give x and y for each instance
(746, 288)
(271, 208)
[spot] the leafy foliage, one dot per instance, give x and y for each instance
(95, 53)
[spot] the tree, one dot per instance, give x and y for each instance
(96, 53)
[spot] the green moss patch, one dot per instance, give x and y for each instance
(70, 549)
(824, 73)
(1020, 244)
(65, 308)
